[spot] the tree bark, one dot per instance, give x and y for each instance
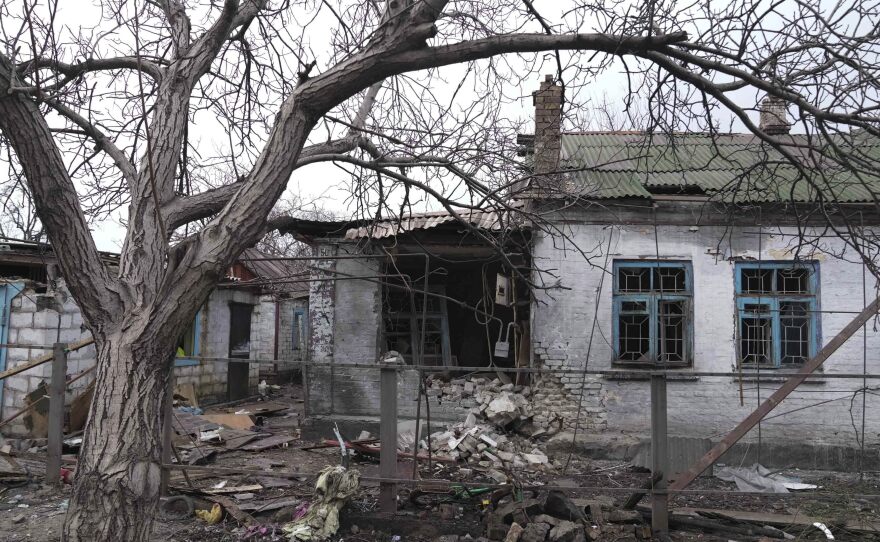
(117, 477)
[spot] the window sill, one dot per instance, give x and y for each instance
(641, 372)
(185, 362)
(773, 375)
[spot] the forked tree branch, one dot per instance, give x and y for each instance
(57, 201)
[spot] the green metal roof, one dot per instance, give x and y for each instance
(736, 168)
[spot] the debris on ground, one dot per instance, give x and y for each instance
(760, 479)
(499, 432)
(212, 516)
(558, 518)
(334, 488)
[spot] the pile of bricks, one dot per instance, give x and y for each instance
(500, 432)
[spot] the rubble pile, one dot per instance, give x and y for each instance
(500, 430)
(556, 518)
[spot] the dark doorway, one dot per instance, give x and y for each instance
(239, 347)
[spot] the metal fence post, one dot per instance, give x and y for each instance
(388, 435)
(56, 413)
(659, 456)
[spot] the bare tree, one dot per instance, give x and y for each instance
(101, 118)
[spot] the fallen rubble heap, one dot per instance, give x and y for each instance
(499, 432)
(557, 518)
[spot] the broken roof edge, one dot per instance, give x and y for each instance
(494, 220)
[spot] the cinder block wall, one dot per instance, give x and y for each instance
(42, 319)
(698, 406)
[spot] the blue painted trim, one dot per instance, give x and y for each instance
(651, 300)
(197, 347)
(773, 300)
(8, 291)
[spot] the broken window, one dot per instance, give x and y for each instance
(777, 312)
(299, 331)
(403, 323)
(652, 312)
(188, 346)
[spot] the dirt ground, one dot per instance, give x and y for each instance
(31, 512)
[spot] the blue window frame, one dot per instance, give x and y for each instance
(777, 307)
(189, 344)
(653, 312)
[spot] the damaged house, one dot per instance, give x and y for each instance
(693, 254)
(246, 317)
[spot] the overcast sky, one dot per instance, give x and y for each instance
(324, 184)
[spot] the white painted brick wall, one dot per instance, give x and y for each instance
(708, 406)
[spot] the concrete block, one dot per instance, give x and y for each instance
(30, 336)
(21, 319)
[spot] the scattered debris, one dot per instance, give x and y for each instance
(212, 516)
(822, 527)
(335, 486)
(760, 479)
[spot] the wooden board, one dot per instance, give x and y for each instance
(185, 423)
(233, 439)
(200, 455)
(188, 392)
(232, 489)
(232, 421)
(271, 442)
(777, 520)
(269, 506)
(79, 408)
(36, 362)
(263, 408)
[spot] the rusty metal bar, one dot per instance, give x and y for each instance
(775, 398)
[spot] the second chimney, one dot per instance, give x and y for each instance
(774, 117)
(548, 119)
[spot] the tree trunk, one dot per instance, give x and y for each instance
(116, 492)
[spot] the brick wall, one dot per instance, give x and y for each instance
(698, 406)
(42, 319)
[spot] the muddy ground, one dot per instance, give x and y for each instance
(35, 513)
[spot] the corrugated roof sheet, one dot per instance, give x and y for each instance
(488, 220)
(732, 167)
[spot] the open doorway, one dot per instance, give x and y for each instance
(239, 347)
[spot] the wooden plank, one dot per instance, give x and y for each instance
(232, 509)
(232, 421)
(763, 518)
(269, 506)
(185, 423)
(234, 439)
(265, 444)
(685, 478)
(36, 362)
(781, 520)
(232, 489)
(188, 392)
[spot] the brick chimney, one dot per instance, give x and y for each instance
(548, 101)
(774, 117)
